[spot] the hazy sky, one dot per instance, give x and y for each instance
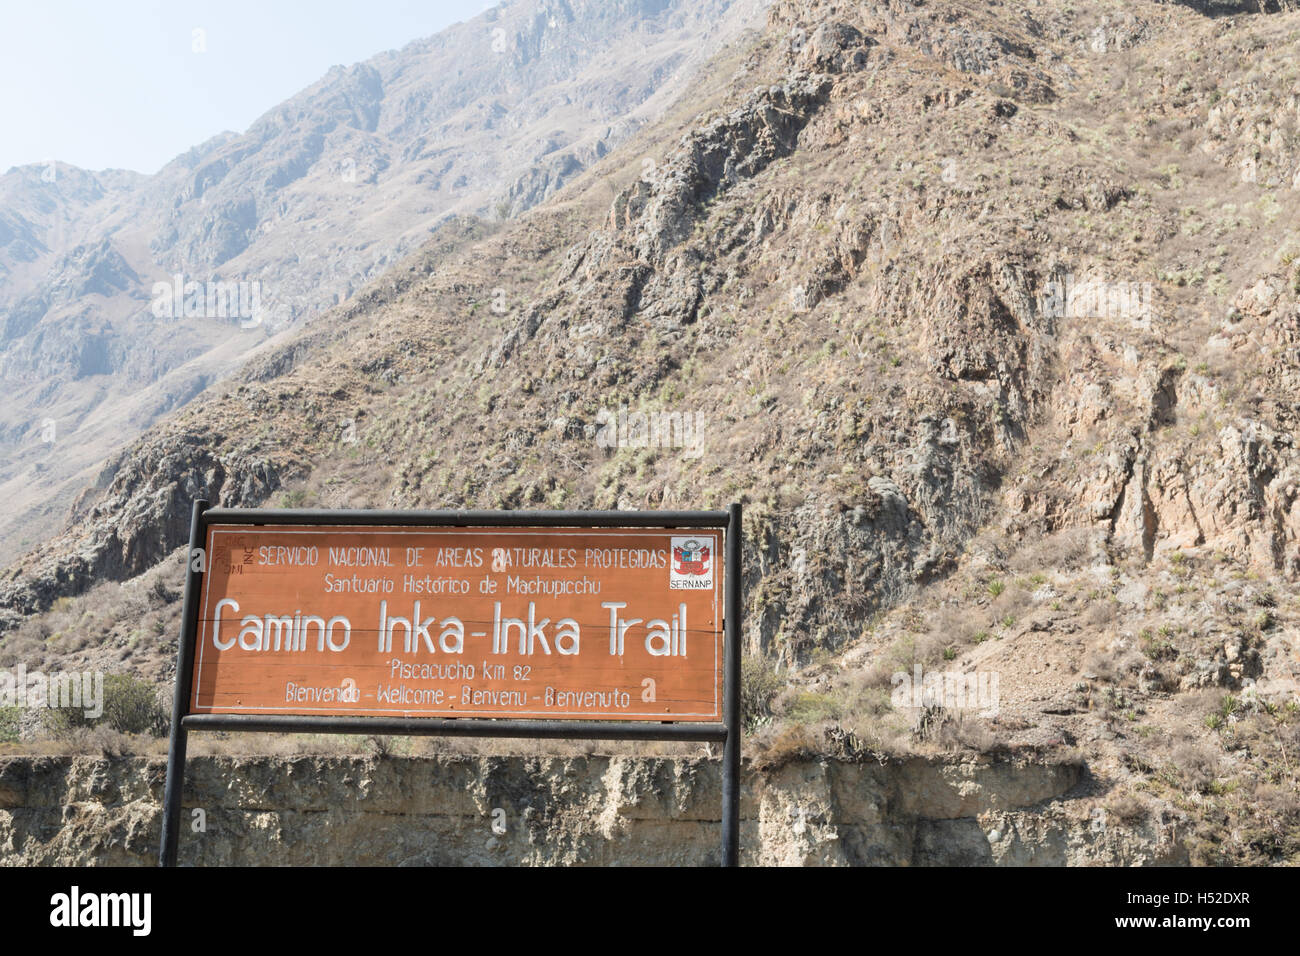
(130, 83)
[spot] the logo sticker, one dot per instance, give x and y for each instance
(692, 565)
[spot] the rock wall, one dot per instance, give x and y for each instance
(577, 810)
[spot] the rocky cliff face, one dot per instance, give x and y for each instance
(594, 811)
(322, 193)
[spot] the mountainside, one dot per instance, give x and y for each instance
(322, 193)
(989, 314)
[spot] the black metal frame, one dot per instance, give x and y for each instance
(727, 732)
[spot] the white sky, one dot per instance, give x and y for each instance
(119, 84)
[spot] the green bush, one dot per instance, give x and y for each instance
(759, 685)
(9, 725)
(810, 707)
(130, 707)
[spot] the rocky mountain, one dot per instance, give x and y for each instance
(101, 331)
(988, 312)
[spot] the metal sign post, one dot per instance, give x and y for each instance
(293, 623)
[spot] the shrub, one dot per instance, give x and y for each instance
(950, 625)
(1129, 809)
(1065, 550)
(759, 685)
(1156, 648)
(1196, 766)
(1099, 613)
(9, 725)
(130, 707)
(810, 707)
(789, 744)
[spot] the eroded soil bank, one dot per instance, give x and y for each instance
(599, 810)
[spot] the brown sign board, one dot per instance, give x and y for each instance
(493, 622)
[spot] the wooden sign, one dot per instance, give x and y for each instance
(527, 622)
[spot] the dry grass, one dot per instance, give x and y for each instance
(128, 627)
(1129, 809)
(1066, 550)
